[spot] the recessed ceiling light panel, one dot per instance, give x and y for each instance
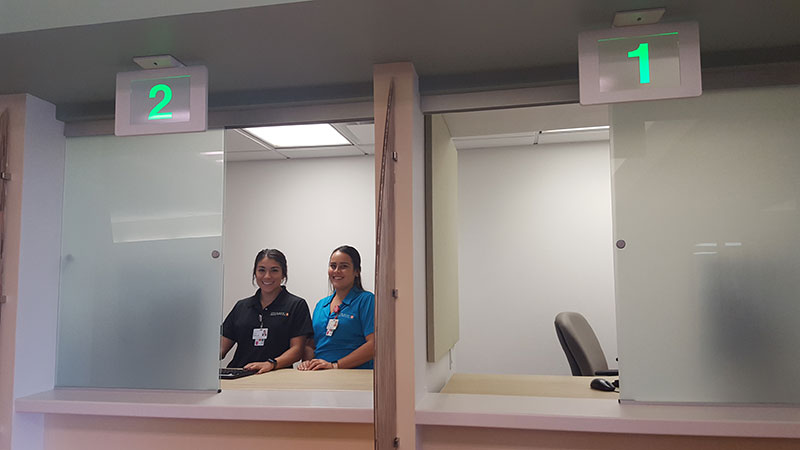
(286, 136)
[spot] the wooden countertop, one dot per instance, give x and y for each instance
(326, 380)
(525, 385)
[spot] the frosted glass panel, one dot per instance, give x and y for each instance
(706, 195)
(141, 295)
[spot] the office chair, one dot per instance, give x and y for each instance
(580, 344)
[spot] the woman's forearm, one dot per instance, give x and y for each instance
(359, 356)
(308, 350)
(293, 353)
(225, 346)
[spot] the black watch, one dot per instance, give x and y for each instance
(274, 363)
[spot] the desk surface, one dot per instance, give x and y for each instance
(525, 385)
(325, 380)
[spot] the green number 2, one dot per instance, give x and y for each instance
(643, 54)
(156, 113)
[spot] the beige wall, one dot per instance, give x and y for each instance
(461, 438)
(69, 432)
(443, 299)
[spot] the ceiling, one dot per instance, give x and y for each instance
(526, 126)
(515, 127)
(324, 50)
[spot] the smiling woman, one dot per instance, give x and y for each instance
(344, 322)
(270, 328)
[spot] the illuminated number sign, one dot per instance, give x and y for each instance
(640, 63)
(159, 101)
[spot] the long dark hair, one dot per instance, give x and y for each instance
(356, 258)
(275, 255)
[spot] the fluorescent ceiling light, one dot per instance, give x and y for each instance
(573, 130)
(211, 153)
(314, 135)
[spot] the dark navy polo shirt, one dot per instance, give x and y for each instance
(286, 317)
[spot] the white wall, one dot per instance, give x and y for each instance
(15, 104)
(303, 207)
(39, 263)
(32, 250)
(535, 239)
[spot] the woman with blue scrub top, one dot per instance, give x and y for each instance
(269, 328)
(344, 323)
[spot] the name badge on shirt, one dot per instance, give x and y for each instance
(260, 336)
(331, 327)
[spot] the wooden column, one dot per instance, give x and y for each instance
(402, 137)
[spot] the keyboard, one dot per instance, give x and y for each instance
(232, 373)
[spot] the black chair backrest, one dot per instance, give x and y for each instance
(580, 344)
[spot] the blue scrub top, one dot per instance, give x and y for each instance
(356, 321)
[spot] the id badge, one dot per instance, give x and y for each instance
(331, 327)
(259, 336)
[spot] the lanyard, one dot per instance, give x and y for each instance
(337, 309)
(260, 333)
(333, 323)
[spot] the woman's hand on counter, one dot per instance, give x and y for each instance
(315, 364)
(261, 367)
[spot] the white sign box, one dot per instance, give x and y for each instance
(160, 101)
(648, 62)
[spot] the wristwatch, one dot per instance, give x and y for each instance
(335, 364)
(274, 363)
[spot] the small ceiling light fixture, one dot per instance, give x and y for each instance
(576, 130)
(158, 62)
(638, 17)
(287, 136)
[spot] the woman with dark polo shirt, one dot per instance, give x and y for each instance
(270, 328)
(344, 323)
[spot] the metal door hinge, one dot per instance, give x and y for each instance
(395, 293)
(396, 442)
(394, 156)
(5, 176)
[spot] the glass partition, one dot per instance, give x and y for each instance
(706, 194)
(141, 274)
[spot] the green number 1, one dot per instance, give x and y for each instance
(156, 113)
(643, 54)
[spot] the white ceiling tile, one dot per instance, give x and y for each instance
(363, 133)
(322, 152)
(253, 156)
(239, 141)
